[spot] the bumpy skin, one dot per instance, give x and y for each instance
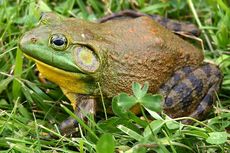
(191, 91)
(128, 50)
(151, 53)
(173, 25)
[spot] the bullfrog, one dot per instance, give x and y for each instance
(87, 58)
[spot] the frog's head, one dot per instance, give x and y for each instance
(63, 52)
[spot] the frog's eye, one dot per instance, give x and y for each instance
(58, 42)
(86, 59)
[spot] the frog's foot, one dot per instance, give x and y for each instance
(86, 106)
(191, 91)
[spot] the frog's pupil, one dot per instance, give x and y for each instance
(58, 42)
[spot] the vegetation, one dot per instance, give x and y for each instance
(30, 108)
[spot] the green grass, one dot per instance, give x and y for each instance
(29, 109)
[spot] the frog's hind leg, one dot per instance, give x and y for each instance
(206, 103)
(214, 82)
(191, 91)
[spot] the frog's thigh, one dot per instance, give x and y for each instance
(190, 91)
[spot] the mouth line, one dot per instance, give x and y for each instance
(56, 69)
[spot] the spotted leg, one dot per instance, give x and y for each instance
(191, 91)
(206, 102)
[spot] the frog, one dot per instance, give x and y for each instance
(87, 59)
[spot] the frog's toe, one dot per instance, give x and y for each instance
(68, 127)
(191, 91)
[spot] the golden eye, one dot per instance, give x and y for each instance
(58, 42)
(86, 59)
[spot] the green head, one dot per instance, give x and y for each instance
(64, 53)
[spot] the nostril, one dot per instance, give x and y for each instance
(33, 40)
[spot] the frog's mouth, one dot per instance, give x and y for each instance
(72, 82)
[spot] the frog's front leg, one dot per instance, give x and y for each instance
(191, 91)
(83, 105)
